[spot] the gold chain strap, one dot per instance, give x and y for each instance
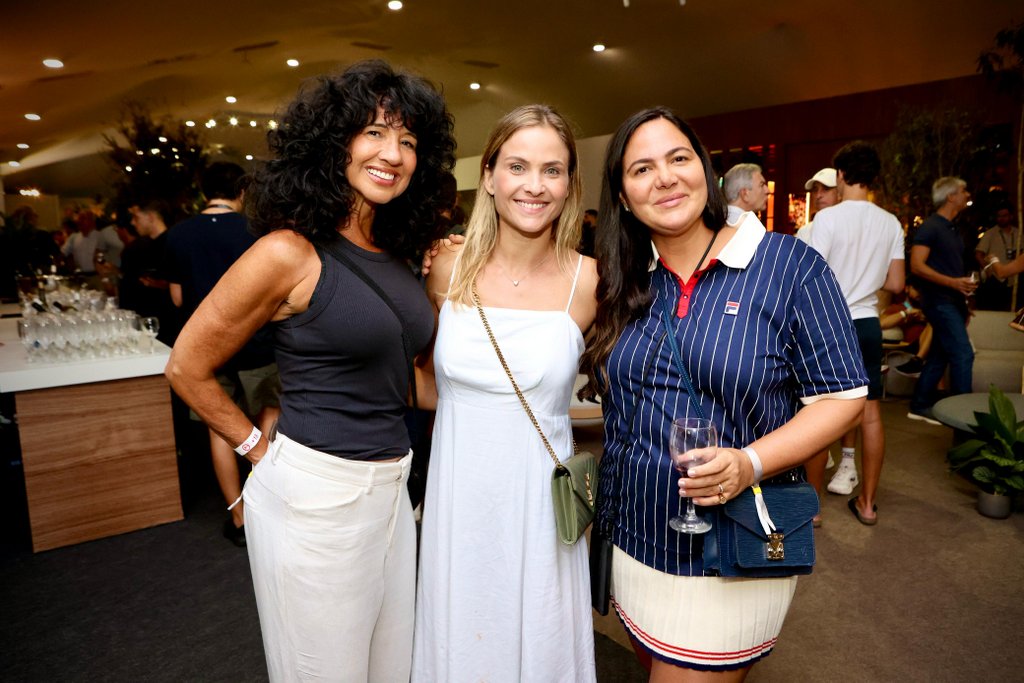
(519, 393)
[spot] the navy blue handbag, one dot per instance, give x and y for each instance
(738, 546)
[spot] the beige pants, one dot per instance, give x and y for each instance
(332, 546)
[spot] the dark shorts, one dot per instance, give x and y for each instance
(869, 334)
(251, 390)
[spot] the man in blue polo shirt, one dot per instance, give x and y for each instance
(936, 259)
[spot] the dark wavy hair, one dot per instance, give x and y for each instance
(303, 188)
(859, 163)
(622, 245)
(222, 180)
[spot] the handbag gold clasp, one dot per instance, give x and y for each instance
(776, 549)
(590, 493)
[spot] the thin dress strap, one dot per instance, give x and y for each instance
(574, 281)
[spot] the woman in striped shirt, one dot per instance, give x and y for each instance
(762, 327)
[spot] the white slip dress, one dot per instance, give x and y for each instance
(499, 598)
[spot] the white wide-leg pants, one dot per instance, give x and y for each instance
(332, 547)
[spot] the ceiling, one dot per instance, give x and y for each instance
(182, 59)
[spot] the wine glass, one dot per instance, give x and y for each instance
(151, 327)
(692, 441)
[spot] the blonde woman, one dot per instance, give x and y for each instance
(499, 597)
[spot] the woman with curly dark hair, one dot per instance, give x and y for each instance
(347, 199)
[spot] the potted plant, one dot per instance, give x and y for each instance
(995, 459)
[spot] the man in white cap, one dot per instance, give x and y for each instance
(824, 194)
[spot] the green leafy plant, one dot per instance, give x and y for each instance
(995, 460)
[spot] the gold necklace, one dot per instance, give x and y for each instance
(515, 282)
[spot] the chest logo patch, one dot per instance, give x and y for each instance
(732, 307)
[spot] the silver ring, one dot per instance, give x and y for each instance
(721, 489)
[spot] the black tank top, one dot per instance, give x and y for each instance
(343, 372)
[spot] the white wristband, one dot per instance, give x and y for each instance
(755, 462)
(247, 445)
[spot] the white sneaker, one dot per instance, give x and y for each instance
(845, 478)
(831, 461)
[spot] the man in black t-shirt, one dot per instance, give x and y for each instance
(202, 249)
(937, 262)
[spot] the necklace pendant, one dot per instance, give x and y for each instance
(515, 283)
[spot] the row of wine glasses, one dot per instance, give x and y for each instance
(85, 335)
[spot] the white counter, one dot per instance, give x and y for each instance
(17, 374)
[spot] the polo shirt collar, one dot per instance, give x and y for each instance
(740, 249)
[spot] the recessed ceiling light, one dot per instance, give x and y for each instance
(395, 5)
(598, 47)
(128, 168)
(162, 139)
(474, 86)
(33, 117)
(154, 151)
(13, 164)
(22, 145)
(252, 124)
(292, 62)
(190, 123)
(233, 121)
(53, 63)
(272, 124)
(248, 157)
(230, 99)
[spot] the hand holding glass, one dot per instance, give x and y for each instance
(693, 441)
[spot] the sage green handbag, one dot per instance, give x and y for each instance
(573, 482)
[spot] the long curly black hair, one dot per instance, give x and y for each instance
(303, 187)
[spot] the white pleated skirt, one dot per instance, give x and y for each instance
(699, 622)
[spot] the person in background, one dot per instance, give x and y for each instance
(995, 292)
(352, 190)
(904, 317)
(83, 245)
(145, 268)
(863, 244)
(112, 243)
(822, 186)
(522, 614)
(936, 260)
(760, 323)
(202, 249)
(588, 231)
(745, 190)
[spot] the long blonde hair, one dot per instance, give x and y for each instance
(482, 229)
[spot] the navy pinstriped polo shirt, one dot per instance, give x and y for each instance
(763, 328)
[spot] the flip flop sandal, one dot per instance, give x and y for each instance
(852, 504)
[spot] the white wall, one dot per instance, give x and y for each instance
(591, 161)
